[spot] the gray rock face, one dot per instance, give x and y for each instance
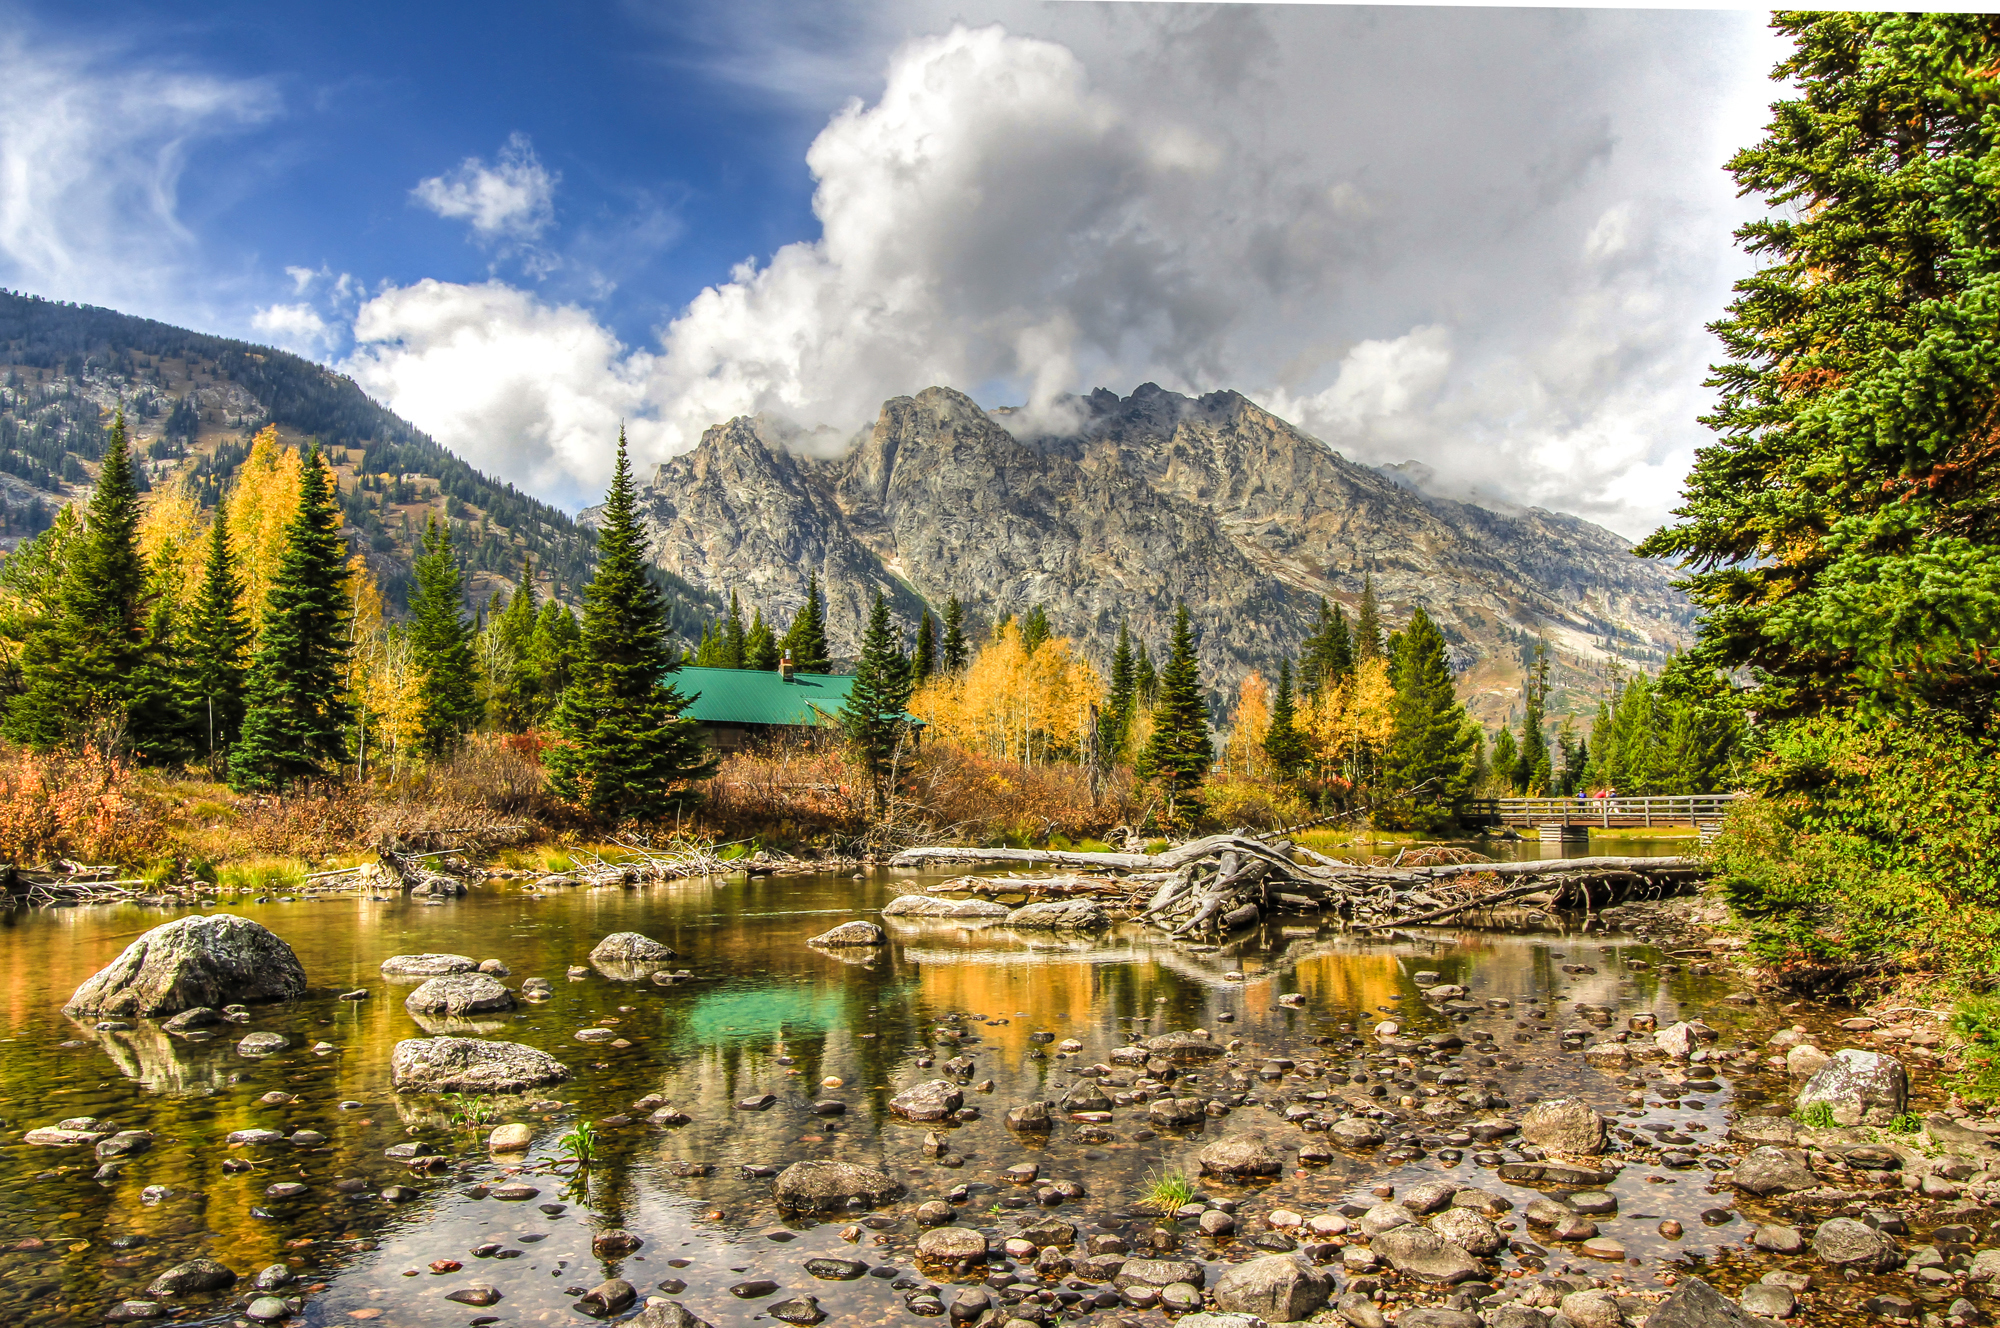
(1241, 1157)
(1060, 915)
(930, 1101)
(1848, 1243)
(1769, 1170)
(471, 1065)
(850, 933)
(459, 994)
(1564, 1125)
(1862, 1087)
(1246, 518)
(213, 960)
(427, 965)
(1424, 1254)
(1696, 1304)
(193, 1276)
(1282, 1288)
(820, 1186)
(629, 947)
(929, 906)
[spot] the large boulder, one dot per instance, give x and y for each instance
(193, 1276)
(930, 906)
(1862, 1087)
(1185, 1048)
(1771, 1170)
(1241, 1157)
(215, 959)
(1469, 1231)
(1060, 915)
(932, 1100)
(459, 994)
(1282, 1288)
(850, 933)
(819, 1186)
(1424, 1254)
(959, 1247)
(1846, 1242)
(470, 1065)
(622, 947)
(427, 965)
(1159, 1273)
(1696, 1304)
(1564, 1125)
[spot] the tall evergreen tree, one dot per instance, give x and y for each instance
(760, 645)
(441, 644)
(1035, 629)
(1145, 679)
(806, 638)
(626, 749)
(296, 714)
(874, 715)
(1505, 757)
(218, 640)
(1114, 722)
(735, 639)
(78, 673)
(954, 657)
(558, 638)
(517, 693)
(1180, 751)
(162, 725)
(1328, 656)
(1531, 763)
(1368, 642)
(924, 663)
(1433, 748)
(1284, 745)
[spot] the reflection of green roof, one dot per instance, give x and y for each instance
(758, 696)
(735, 1016)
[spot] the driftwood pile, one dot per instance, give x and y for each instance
(1209, 887)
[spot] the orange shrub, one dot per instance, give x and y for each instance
(81, 807)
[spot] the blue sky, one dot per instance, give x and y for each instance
(1483, 239)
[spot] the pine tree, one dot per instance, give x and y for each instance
(924, 663)
(1145, 680)
(517, 691)
(1531, 763)
(626, 749)
(1283, 743)
(1431, 756)
(1180, 751)
(557, 640)
(1034, 629)
(1114, 722)
(955, 656)
(441, 645)
(873, 716)
(806, 640)
(296, 714)
(1329, 650)
(734, 639)
(1505, 757)
(162, 726)
(217, 641)
(760, 646)
(1368, 624)
(708, 653)
(78, 672)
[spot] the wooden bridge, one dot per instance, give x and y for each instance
(1695, 809)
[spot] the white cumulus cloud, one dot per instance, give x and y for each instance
(294, 327)
(511, 200)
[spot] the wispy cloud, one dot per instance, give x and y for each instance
(511, 201)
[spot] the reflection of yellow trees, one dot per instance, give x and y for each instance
(1349, 724)
(1243, 754)
(262, 501)
(1013, 703)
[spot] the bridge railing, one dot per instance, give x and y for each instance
(1669, 809)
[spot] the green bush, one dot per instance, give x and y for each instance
(1976, 1019)
(1818, 1116)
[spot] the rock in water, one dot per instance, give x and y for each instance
(1423, 1253)
(213, 960)
(623, 947)
(931, 1101)
(1060, 915)
(194, 1275)
(1769, 1170)
(1282, 1288)
(820, 1186)
(1862, 1087)
(1564, 1125)
(1848, 1243)
(1241, 1157)
(459, 994)
(427, 965)
(665, 1314)
(929, 906)
(1696, 1304)
(470, 1065)
(850, 933)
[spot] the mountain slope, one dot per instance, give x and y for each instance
(1150, 500)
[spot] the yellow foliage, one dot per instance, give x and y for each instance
(170, 539)
(262, 503)
(1012, 703)
(389, 687)
(1243, 754)
(1346, 726)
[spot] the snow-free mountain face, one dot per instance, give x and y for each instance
(1131, 506)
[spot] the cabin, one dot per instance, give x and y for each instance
(739, 708)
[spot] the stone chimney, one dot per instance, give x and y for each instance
(785, 667)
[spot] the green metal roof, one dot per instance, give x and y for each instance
(758, 696)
